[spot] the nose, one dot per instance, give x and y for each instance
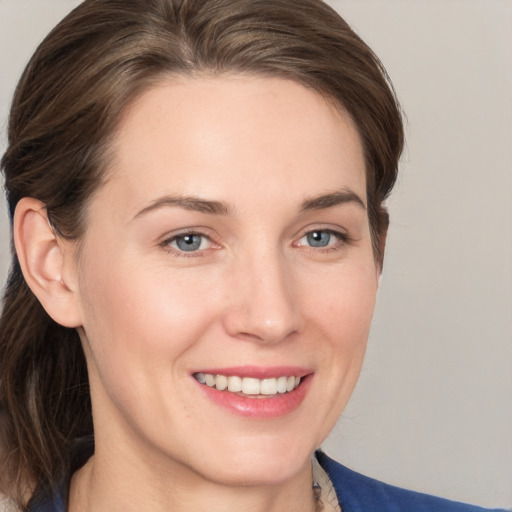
(262, 303)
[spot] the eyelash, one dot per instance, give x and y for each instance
(343, 239)
(177, 252)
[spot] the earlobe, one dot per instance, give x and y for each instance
(43, 256)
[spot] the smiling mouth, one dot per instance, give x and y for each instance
(248, 386)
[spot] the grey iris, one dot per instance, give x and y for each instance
(318, 238)
(188, 242)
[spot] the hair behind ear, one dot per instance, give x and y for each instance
(380, 236)
(44, 390)
(43, 375)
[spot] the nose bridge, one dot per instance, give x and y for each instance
(263, 305)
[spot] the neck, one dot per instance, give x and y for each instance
(129, 485)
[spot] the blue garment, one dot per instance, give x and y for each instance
(356, 493)
(359, 493)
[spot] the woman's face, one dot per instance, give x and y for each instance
(230, 245)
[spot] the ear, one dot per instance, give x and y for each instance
(47, 262)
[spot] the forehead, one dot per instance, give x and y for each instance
(227, 135)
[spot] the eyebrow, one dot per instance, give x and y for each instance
(198, 204)
(334, 199)
(193, 203)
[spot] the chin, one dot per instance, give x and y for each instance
(257, 461)
(247, 472)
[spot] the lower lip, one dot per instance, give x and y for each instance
(273, 406)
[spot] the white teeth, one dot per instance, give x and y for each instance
(268, 386)
(281, 384)
(221, 382)
(249, 385)
(234, 384)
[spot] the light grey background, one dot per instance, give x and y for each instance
(433, 408)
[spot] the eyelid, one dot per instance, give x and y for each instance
(168, 238)
(339, 233)
(329, 228)
(165, 241)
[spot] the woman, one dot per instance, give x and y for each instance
(197, 199)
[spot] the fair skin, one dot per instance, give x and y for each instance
(231, 238)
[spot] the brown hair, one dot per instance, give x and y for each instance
(64, 114)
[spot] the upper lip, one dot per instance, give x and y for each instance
(258, 372)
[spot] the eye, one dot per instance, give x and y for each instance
(320, 238)
(189, 242)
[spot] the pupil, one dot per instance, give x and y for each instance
(318, 238)
(189, 242)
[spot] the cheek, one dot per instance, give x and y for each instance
(340, 310)
(344, 302)
(343, 315)
(135, 316)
